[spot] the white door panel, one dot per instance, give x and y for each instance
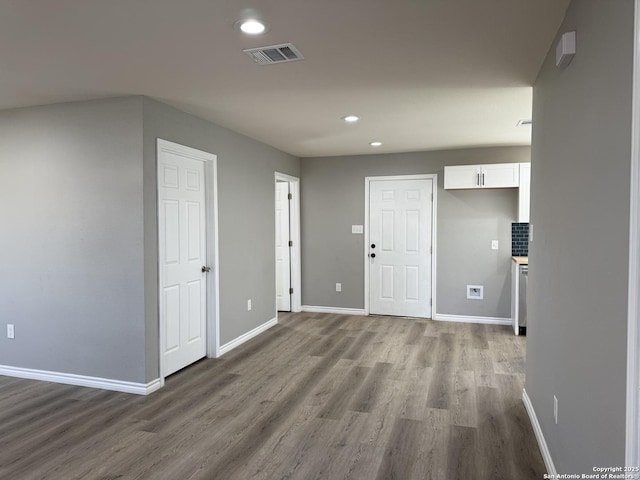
(400, 237)
(283, 259)
(182, 248)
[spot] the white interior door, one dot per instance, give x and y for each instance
(182, 254)
(283, 254)
(400, 247)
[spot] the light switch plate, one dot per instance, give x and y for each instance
(10, 331)
(359, 229)
(494, 244)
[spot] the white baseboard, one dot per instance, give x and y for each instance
(444, 317)
(81, 380)
(542, 443)
(246, 337)
(338, 310)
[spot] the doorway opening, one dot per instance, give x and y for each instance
(287, 243)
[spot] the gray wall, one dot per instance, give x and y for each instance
(71, 247)
(79, 242)
(246, 219)
(576, 339)
(333, 191)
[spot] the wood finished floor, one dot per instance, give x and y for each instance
(318, 396)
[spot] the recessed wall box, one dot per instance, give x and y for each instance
(475, 292)
(566, 49)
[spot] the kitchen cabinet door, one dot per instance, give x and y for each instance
(462, 176)
(500, 175)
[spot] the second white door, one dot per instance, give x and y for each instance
(400, 246)
(283, 250)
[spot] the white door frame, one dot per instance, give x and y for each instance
(632, 453)
(434, 232)
(294, 232)
(213, 281)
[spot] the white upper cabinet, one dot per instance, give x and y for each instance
(463, 176)
(500, 175)
(497, 175)
(524, 193)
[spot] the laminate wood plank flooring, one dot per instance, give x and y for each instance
(316, 397)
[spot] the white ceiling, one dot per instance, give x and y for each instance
(421, 74)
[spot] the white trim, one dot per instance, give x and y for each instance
(246, 337)
(632, 444)
(338, 310)
(542, 443)
(434, 232)
(81, 380)
(213, 281)
(443, 317)
(294, 233)
(213, 259)
(434, 242)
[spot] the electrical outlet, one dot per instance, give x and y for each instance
(11, 333)
(248, 305)
(494, 244)
(338, 287)
(555, 409)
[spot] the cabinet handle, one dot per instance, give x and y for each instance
(483, 179)
(478, 179)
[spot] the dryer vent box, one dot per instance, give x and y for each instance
(566, 49)
(475, 292)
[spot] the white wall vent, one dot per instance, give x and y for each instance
(285, 52)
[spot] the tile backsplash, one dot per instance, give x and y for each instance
(520, 239)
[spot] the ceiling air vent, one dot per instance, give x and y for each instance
(274, 54)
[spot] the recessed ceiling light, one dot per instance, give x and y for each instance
(524, 123)
(376, 144)
(351, 118)
(252, 26)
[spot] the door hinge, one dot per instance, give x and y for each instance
(291, 243)
(290, 290)
(289, 196)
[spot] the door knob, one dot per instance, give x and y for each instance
(372, 255)
(373, 245)
(206, 269)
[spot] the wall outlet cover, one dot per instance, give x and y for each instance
(338, 287)
(10, 331)
(494, 244)
(248, 305)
